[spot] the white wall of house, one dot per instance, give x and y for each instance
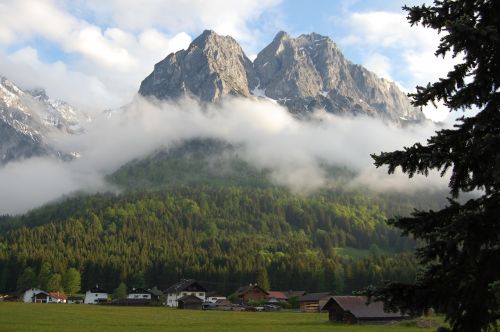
(93, 298)
(214, 299)
(142, 296)
(172, 297)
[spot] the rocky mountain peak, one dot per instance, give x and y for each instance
(213, 66)
(303, 74)
(28, 118)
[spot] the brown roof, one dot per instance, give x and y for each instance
(292, 293)
(244, 289)
(312, 297)
(182, 285)
(277, 295)
(190, 299)
(357, 306)
(58, 296)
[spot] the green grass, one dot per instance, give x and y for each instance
(61, 317)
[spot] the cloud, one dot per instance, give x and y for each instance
(379, 64)
(109, 62)
(399, 51)
(293, 150)
(111, 46)
(25, 68)
(224, 16)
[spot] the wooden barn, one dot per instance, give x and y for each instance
(355, 310)
(189, 302)
(252, 292)
(313, 302)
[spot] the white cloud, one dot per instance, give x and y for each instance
(272, 138)
(379, 64)
(395, 47)
(25, 68)
(224, 16)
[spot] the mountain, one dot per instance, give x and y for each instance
(28, 119)
(212, 66)
(302, 73)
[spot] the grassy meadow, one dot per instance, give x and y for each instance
(60, 317)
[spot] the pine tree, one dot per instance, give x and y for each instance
(461, 252)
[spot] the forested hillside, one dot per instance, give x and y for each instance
(200, 211)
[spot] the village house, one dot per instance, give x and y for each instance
(95, 295)
(252, 292)
(313, 302)
(354, 310)
(214, 296)
(30, 293)
(276, 297)
(140, 293)
(183, 288)
(35, 295)
(57, 297)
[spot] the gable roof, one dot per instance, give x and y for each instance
(292, 293)
(39, 291)
(140, 291)
(277, 295)
(155, 292)
(244, 289)
(357, 306)
(182, 285)
(58, 296)
(96, 289)
(189, 299)
(312, 297)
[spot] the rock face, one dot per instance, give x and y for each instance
(28, 118)
(212, 66)
(302, 73)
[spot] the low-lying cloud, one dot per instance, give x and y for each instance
(293, 150)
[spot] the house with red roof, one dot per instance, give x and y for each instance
(276, 297)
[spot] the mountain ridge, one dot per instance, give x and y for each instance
(302, 74)
(28, 118)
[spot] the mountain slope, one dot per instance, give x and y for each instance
(302, 73)
(28, 118)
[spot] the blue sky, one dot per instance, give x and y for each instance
(95, 53)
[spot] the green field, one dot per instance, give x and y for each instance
(61, 317)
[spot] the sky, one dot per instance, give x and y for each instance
(95, 53)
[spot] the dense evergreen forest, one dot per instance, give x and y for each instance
(225, 231)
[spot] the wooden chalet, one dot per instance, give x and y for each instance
(183, 288)
(276, 297)
(354, 310)
(252, 292)
(41, 297)
(313, 302)
(189, 302)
